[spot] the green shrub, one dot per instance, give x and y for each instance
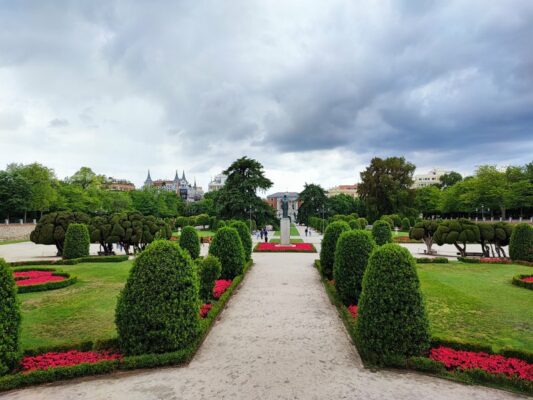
(457, 232)
(429, 260)
(227, 247)
(354, 224)
(9, 320)
(77, 241)
(412, 221)
(329, 245)
(157, 311)
(388, 220)
(521, 244)
(246, 238)
(363, 222)
(220, 224)
(396, 220)
(392, 320)
(406, 225)
(382, 233)
(351, 258)
(209, 269)
(190, 241)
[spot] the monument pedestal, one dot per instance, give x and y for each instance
(285, 232)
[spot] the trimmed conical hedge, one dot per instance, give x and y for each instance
(9, 320)
(157, 311)
(381, 231)
(209, 269)
(246, 237)
(227, 247)
(329, 245)
(77, 241)
(190, 241)
(521, 244)
(392, 319)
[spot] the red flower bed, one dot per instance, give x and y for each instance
(220, 287)
(353, 310)
(528, 279)
(204, 310)
(34, 277)
(495, 260)
(65, 359)
(491, 363)
(302, 247)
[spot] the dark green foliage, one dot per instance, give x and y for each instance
(77, 241)
(9, 320)
(392, 319)
(351, 258)
(227, 247)
(521, 244)
(190, 241)
(412, 221)
(52, 228)
(457, 232)
(209, 269)
(329, 245)
(382, 233)
(424, 230)
(388, 220)
(406, 225)
(435, 260)
(157, 311)
(246, 237)
(354, 224)
(363, 222)
(220, 224)
(518, 281)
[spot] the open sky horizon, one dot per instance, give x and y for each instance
(312, 90)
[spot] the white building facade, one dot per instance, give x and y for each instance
(431, 178)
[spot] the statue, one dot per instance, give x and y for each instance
(285, 206)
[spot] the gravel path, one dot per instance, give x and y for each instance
(279, 338)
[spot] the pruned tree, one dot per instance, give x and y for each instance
(457, 232)
(424, 230)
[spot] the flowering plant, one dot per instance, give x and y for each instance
(220, 287)
(491, 363)
(65, 359)
(494, 260)
(296, 247)
(204, 310)
(35, 277)
(528, 279)
(353, 310)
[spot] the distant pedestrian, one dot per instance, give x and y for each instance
(306, 231)
(266, 236)
(262, 233)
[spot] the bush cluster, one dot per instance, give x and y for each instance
(9, 320)
(406, 225)
(329, 245)
(190, 241)
(521, 243)
(351, 258)
(354, 224)
(227, 247)
(246, 238)
(363, 222)
(157, 311)
(392, 318)
(209, 269)
(457, 232)
(381, 231)
(77, 241)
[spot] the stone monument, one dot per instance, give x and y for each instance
(285, 227)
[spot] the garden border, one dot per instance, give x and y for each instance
(180, 357)
(70, 280)
(256, 249)
(74, 261)
(517, 280)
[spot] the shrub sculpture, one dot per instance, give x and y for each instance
(521, 244)
(227, 247)
(388, 220)
(381, 231)
(9, 320)
(457, 232)
(363, 222)
(209, 270)
(392, 320)
(351, 258)
(190, 241)
(220, 224)
(424, 230)
(157, 311)
(246, 238)
(406, 225)
(77, 242)
(52, 227)
(329, 245)
(486, 237)
(502, 237)
(354, 224)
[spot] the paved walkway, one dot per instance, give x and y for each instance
(279, 338)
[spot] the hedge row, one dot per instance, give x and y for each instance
(90, 259)
(517, 280)
(429, 260)
(69, 280)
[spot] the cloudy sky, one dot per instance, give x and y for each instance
(312, 89)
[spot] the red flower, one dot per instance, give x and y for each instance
(34, 277)
(491, 363)
(303, 247)
(65, 359)
(528, 279)
(353, 310)
(220, 287)
(204, 310)
(496, 260)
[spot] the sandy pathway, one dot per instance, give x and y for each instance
(279, 338)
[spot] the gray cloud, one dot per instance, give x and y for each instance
(58, 123)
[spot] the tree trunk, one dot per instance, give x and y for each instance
(462, 250)
(25, 215)
(502, 208)
(429, 242)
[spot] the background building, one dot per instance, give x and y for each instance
(121, 185)
(180, 186)
(350, 190)
(431, 178)
(217, 182)
(274, 200)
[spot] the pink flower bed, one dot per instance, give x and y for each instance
(495, 260)
(353, 310)
(302, 247)
(491, 363)
(204, 310)
(65, 359)
(34, 277)
(528, 279)
(221, 285)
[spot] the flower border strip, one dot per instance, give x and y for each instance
(70, 280)
(311, 249)
(19, 380)
(518, 281)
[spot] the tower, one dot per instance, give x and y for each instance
(148, 182)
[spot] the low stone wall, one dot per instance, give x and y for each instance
(15, 231)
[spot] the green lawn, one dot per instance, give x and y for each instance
(200, 233)
(478, 303)
(13, 241)
(81, 312)
(294, 231)
(292, 240)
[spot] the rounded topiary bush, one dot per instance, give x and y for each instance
(220, 224)
(381, 232)
(388, 220)
(246, 238)
(329, 245)
(406, 225)
(354, 224)
(190, 241)
(521, 243)
(227, 247)
(363, 222)
(157, 311)
(77, 241)
(209, 269)
(9, 320)
(392, 319)
(351, 258)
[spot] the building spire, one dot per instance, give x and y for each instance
(148, 181)
(183, 176)
(176, 177)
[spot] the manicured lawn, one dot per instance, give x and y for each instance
(478, 303)
(400, 233)
(81, 312)
(13, 241)
(200, 233)
(292, 240)
(294, 231)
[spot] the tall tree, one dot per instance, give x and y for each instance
(343, 204)
(428, 200)
(386, 186)
(314, 203)
(15, 194)
(450, 179)
(85, 177)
